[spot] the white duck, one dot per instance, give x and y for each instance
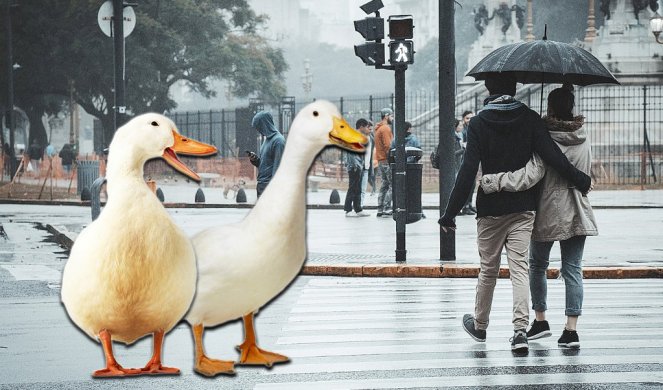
(132, 272)
(243, 266)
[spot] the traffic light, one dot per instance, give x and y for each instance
(401, 27)
(401, 52)
(371, 53)
(372, 29)
(401, 48)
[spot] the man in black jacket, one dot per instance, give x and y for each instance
(502, 137)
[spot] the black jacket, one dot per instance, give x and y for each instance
(502, 137)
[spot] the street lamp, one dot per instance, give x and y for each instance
(307, 77)
(656, 25)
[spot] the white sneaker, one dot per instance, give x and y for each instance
(350, 214)
(363, 214)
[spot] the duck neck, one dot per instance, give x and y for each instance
(124, 167)
(286, 192)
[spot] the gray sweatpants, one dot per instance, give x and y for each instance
(512, 231)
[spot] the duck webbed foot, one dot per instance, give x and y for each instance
(251, 354)
(213, 367)
(204, 365)
(113, 368)
(154, 366)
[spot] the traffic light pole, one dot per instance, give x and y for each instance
(447, 94)
(118, 62)
(398, 189)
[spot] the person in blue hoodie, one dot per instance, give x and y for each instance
(270, 151)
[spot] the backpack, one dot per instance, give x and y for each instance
(435, 158)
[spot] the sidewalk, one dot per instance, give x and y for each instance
(629, 244)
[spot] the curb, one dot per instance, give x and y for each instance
(430, 271)
(466, 271)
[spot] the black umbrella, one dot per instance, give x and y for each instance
(544, 61)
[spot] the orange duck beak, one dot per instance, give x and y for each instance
(188, 147)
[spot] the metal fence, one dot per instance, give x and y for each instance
(624, 123)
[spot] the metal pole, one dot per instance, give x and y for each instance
(118, 62)
(399, 180)
(447, 102)
(643, 159)
(10, 90)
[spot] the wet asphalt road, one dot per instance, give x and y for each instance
(339, 332)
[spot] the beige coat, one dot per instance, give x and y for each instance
(562, 212)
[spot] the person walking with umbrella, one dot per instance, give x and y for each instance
(502, 137)
(569, 228)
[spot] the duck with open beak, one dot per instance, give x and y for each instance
(188, 147)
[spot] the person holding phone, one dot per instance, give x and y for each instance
(270, 152)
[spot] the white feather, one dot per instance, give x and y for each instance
(243, 266)
(132, 271)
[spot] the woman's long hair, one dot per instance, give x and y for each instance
(560, 103)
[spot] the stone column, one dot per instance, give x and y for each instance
(590, 33)
(530, 25)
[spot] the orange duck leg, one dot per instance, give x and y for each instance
(250, 353)
(205, 365)
(154, 367)
(113, 368)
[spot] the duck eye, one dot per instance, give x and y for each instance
(154, 123)
(315, 113)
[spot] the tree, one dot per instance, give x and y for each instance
(60, 46)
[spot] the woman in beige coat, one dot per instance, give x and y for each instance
(563, 215)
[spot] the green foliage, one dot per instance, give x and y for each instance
(59, 42)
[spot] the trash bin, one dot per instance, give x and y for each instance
(87, 173)
(413, 173)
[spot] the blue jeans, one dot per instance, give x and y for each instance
(539, 255)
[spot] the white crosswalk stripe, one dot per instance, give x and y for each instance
(358, 333)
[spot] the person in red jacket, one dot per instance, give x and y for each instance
(383, 138)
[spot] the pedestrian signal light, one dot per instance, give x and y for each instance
(372, 29)
(401, 27)
(372, 53)
(401, 52)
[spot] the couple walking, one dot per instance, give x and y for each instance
(509, 141)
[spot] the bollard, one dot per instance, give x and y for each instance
(95, 203)
(85, 194)
(200, 196)
(160, 195)
(335, 198)
(241, 196)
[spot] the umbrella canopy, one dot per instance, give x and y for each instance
(544, 61)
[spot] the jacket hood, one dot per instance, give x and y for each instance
(264, 124)
(567, 132)
(501, 111)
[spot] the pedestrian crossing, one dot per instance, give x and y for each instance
(366, 333)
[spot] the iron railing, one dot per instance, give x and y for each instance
(624, 123)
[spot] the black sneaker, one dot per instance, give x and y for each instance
(519, 341)
(379, 214)
(569, 339)
(468, 325)
(539, 330)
